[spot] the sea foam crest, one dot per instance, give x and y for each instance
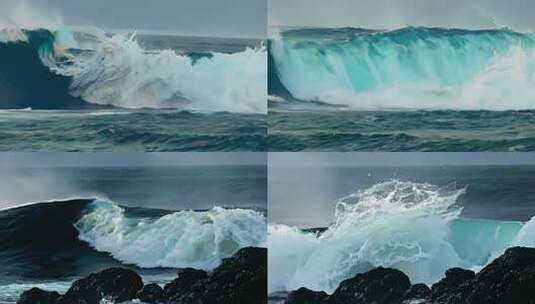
(119, 72)
(116, 70)
(380, 226)
(413, 227)
(198, 239)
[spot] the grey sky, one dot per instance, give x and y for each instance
(398, 159)
(387, 14)
(44, 159)
(203, 17)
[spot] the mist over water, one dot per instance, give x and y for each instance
(173, 188)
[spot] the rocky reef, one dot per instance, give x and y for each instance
(508, 279)
(239, 279)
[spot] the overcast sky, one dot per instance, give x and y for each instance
(387, 14)
(45, 159)
(204, 17)
(398, 159)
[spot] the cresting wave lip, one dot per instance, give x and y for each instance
(199, 239)
(58, 69)
(60, 239)
(382, 226)
(407, 68)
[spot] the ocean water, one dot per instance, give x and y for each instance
(150, 219)
(375, 216)
(130, 130)
(89, 90)
(409, 89)
(330, 129)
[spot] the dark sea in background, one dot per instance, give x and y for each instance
(135, 217)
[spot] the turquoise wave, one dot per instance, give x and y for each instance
(412, 67)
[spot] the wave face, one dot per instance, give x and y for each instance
(26, 82)
(412, 227)
(73, 70)
(411, 67)
(73, 238)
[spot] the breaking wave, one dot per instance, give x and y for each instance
(72, 238)
(407, 68)
(413, 227)
(56, 69)
(199, 239)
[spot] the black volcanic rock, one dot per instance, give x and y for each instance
(118, 284)
(187, 278)
(509, 279)
(454, 287)
(417, 291)
(378, 286)
(240, 279)
(306, 296)
(151, 293)
(38, 296)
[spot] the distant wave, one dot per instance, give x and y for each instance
(70, 238)
(58, 69)
(407, 68)
(412, 227)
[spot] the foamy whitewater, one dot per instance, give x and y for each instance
(115, 70)
(198, 239)
(406, 68)
(413, 227)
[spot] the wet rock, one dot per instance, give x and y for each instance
(306, 296)
(240, 279)
(417, 291)
(151, 293)
(378, 286)
(186, 280)
(38, 296)
(508, 279)
(454, 287)
(117, 284)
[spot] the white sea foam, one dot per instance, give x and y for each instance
(412, 227)
(116, 70)
(198, 239)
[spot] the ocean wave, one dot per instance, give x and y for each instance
(407, 68)
(413, 227)
(199, 239)
(67, 69)
(71, 238)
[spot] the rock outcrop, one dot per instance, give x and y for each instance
(38, 296)
(240, 279)
(379, 286)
